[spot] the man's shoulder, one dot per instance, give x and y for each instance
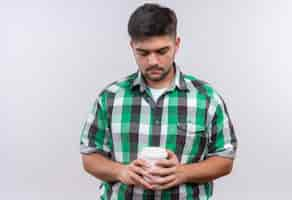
(201, 86)
(119, 85)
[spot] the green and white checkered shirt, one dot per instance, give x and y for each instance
(190, 119)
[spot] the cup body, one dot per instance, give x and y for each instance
(151, 155)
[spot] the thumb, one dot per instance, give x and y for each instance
(170, 154)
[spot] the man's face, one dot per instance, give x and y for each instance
(155, 56)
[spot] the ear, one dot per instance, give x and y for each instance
(177, 43)
(132, 44)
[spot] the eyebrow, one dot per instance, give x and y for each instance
(155, 50)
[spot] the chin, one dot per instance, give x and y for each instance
(154, 77)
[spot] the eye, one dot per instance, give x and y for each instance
(162, 51)
(143, 53)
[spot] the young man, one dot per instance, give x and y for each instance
(157, 106)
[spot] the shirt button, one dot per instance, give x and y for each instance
(157, 121)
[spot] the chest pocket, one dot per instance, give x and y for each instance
(191, 142)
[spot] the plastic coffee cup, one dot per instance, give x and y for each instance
(151, 155)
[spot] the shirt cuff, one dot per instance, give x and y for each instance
(228, 152)
(86, 150)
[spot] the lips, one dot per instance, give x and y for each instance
(155, 71)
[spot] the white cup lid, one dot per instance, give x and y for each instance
(153, 153)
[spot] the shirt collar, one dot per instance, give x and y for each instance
(178, 81)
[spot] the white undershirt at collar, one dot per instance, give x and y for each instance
(156, 93)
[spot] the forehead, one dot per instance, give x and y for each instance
(155, 42)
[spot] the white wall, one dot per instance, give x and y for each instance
(56, 55)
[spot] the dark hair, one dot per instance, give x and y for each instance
(152, 20)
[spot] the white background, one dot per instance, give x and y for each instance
(55, 56)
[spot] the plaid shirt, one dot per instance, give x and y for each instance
(189, 118)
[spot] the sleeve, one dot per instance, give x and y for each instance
(95, 137)
(222, 138)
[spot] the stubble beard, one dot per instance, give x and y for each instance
(164, 73)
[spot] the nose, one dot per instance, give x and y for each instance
(152, 59)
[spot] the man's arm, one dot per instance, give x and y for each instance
(110, 171)
(207, 170)
(101, 167)
(94, 139)
(172, 173)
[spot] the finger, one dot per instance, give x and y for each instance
(166, 163)
(141, 163)
(170, 154)
(166, 186)
(131, 180)
(162, 180)
(158, 171)
(138, 170)
(148, 177)
(139, 181)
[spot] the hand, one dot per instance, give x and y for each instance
(133, 173)
(167, 173)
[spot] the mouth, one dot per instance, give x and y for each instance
(155, 71)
